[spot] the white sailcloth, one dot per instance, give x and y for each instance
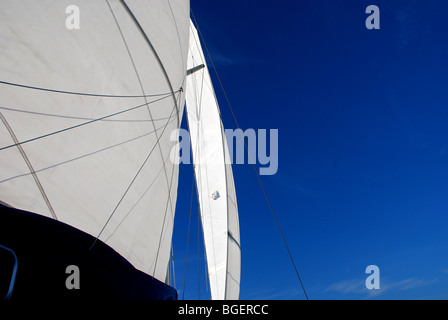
(214, 177)
(111, 176)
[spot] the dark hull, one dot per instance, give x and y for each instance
(45, 248)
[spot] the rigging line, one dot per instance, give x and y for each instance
(135, 204)
(129, 186)
(30, 167)
(142, 89)
(83, 156)
(82, 93)
(75, 117)
(188, 237)
(168, 201)
(253, 163)
(163, 227)
(201, 231)
(196, 175)
(82, 124)
(178, 38)
(196, 40)
(131, 14)
(172, 264)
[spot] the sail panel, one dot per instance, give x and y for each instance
(214, 178)
(113, 173)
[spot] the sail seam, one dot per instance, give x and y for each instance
(30, 166)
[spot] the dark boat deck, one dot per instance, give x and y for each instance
(45, 248)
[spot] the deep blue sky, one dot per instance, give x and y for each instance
(363, 146)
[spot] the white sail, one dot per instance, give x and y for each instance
(214, 178)
(110, 177)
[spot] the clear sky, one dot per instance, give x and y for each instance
(363, 147)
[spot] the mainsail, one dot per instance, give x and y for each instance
(214, 178)
(86, 117)
(113, 173)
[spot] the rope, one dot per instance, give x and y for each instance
(54, 115)
(253, 163)
(130, 184)
(156, 56)
(82, 93)
(30, 167)
(149, 111)
(169, 197)
(84, 123)
(136, 203)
